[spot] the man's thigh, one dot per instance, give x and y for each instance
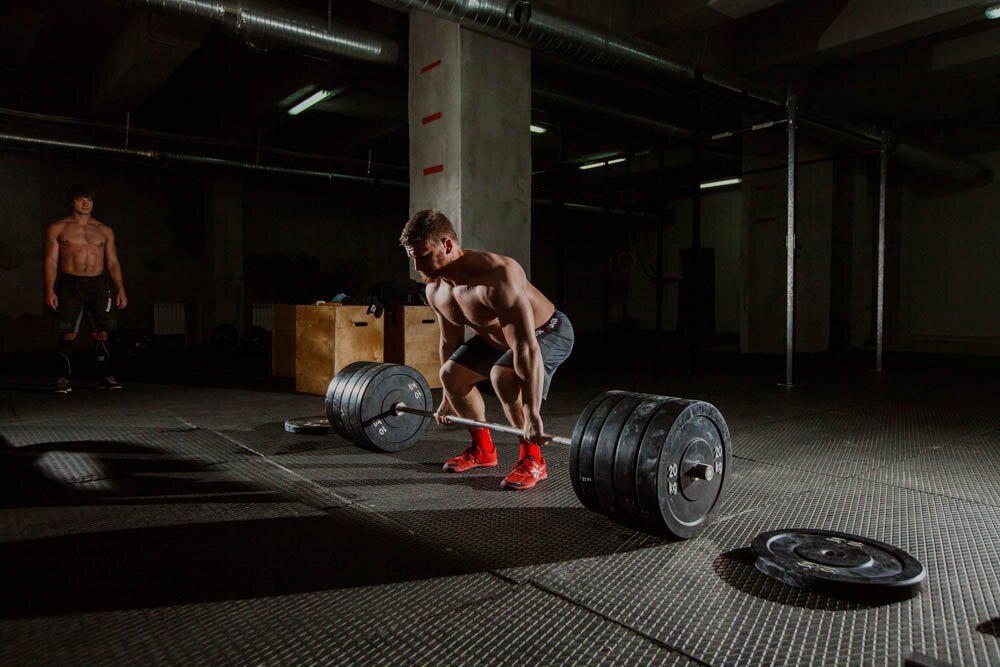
(476, 355)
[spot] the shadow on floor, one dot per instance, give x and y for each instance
(241, 558)
(245, 559)
(107, 472)
(737, 569)
(990, 627)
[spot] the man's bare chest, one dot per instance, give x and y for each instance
(82, 237)
(464, 306)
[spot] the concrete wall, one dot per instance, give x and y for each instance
(950, 267)
(164, 229)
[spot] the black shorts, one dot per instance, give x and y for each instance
(555, 340)
(80, 294)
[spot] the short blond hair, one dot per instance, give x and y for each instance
(430, 224)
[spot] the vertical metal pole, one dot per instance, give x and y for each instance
(661, 221)
(692, 281)
(607, 257)
(696, 159)
(790, 248)
(880, 277)
(561, 214)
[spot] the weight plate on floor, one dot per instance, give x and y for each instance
(350, 407)
(626, 455)
(335, 395)
(347, 392)
(393, 384)
(575, 441)
(684, 439)
(582, 474)
(308, 425)
(838, 564)
(611, 434)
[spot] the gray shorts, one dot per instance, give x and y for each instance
(555, 340)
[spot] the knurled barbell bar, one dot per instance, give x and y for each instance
(654, 463)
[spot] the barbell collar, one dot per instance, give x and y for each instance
(400, 408)
(701, 471)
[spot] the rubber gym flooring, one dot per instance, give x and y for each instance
(177, 524)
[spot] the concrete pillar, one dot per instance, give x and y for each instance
(470, 145)
(225, 248)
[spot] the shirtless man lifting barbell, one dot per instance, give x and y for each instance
(520, 339)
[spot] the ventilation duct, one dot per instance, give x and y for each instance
(256, 22)
(546, 29)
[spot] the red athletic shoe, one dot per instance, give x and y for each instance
(473, 457)
(528, 472)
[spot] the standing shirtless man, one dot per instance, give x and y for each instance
(78, 251)
(520, 341)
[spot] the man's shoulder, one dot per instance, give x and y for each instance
(498, 266)
(58, 224)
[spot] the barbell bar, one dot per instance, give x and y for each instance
(403, 408)
(650, 462)
(697, 470)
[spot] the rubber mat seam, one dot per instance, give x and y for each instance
(926, 492)
(776, 465)
(653, 640)
(294, 474)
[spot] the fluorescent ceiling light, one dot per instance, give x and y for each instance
(993, 12)
(313, 99)
(602, 163)
(722, 183)
(538, 129)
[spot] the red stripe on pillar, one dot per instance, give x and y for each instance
(430, 119)
(433, 170)
(428, 68)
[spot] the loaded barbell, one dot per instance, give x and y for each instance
(654, 463)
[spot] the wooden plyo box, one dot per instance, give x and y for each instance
(412, 337)
(331, 336)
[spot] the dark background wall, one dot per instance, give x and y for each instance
(302, 240)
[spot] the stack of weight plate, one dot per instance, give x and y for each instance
(360, 399)
(634, 457)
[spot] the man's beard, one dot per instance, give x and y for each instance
(429, 277)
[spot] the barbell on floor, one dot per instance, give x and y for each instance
(654, 463)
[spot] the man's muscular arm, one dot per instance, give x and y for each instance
(114, 269)
(513, 308)
(50, 264)
(452, 336)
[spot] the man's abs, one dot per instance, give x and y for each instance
(81, 259)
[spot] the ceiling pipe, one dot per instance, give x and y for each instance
(540, 27)
(254, 22)
(543, 28)
(163, 158)
(650, 125)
